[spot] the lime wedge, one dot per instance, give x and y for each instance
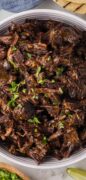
(77, 174)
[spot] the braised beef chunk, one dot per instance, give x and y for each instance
(43, 89)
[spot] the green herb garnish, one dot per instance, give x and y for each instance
(44, 141)
(55, 102)
(6, 175)
(21, 83)
(59, 71)
(61, 90)
(24, 90)
(38, 71)
(13, 87)
(12, 102)
(29, 55)
(62, 112)
(49, 58)
(34, 121)
(46, 95)
(61, 125)
(35, 130)
(53, 81)
(14, 48)
(19, 106)
(14, 90)
(41, 81)
(68, 113)
(13, 64)
(35, 96)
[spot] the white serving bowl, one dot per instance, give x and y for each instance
(58, 16)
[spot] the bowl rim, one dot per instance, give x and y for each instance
(52, 11)
(15, 159)
(42, 167)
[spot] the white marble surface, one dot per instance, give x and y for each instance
(55, 174)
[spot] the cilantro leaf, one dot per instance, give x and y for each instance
(34, 121)
(59, 71)
(29, 55)
(14, 48)
(12, 102)
(38, 71)
(61, 125)
(44, 140)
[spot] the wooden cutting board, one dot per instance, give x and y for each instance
(77, 6)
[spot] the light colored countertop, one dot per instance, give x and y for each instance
(55, 174)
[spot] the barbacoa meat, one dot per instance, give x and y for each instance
(43, 89)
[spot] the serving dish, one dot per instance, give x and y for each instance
(11, 169)
(58, 16)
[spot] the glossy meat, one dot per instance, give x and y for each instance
(43, 89)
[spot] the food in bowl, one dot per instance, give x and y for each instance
(43, 89)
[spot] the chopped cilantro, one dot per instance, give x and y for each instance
(13, 64)
(61, 125)
(53, 80)
(35, 96)
(24, 90)
(46, 95)
(55, 102)
(29, 55)
(19, 106)
(14, 90)
(38, 71)
(62, 112)
(49, 58)
(14, 48)
(44, 140)
(35, 130)
(13, 87)
(22, 83)
(12, 101)
(68, 113)
(61, 90)
(59, 71)
(34, 121)
(41, 81)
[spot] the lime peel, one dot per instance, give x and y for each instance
(77, 174)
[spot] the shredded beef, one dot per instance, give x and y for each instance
(43, 89)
